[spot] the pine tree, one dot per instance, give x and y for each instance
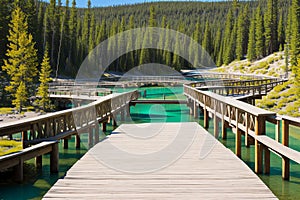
(167, 55)
(86, 28)
(242, 33)
(281, 32)
(21, 65)
(177, 62)
(161, 40)
(227, 37)
(217, 44)
(193, 50)
(122, 59)
(259, 34)
(152, 18)
(4, 20)
(207, 47)
(251, 52)
(130, 45)
(53, 22)
(30, 9)
(72, 35)
(92, 33)
(230, 50)
(295, 34)
(44, 78)
(207, 43)
(20, 97)
(148, 55)
(271, 27)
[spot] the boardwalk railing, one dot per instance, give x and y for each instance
(248, 120)
(234, 82)
(45, 130)
(63, 123)
(218, 75)
(261, 89)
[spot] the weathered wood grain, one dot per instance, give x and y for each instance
(218, 175)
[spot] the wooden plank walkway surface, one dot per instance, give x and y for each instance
(202, 169)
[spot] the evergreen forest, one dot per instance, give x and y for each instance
(32, 32)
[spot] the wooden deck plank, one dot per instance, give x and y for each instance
(220, 174)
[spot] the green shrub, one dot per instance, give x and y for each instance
(6, 110)
(279, 88)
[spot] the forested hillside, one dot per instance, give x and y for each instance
(227, 30)
(38, 38)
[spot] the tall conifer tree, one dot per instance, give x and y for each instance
(21, 65)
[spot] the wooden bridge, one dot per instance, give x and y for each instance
(62, 125)
(218, 174)
(248, 120)
(175, 180)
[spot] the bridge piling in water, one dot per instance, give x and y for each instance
(285, 142)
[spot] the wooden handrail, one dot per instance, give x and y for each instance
(52, 124)
(249, 119)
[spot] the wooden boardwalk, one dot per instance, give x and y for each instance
(205, 170)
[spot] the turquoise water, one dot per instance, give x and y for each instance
(38, 182)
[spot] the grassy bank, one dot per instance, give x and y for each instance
(9, 146)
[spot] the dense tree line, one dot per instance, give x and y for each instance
(228, 31)
(222, 28)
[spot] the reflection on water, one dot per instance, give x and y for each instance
(38, 182)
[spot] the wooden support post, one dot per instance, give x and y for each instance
(216, 121)
(122, 115)
(260, 128)
(267, 160)
(224, 130)
(90, 137)
(128, 110)
(277, 134)
(285, 142)
(97, 134)
(24, 139)
(191, 107)
(104, 126)
(54, 156)
(114, 122)
(66, 143)
(39, 162)
(238, 136)
(196, 114)
(258, 157)
(247, 130)
(206, 118)
(224, 123)
(216, 127)
(19, 171)
(77, 141)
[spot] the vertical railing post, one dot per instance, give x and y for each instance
(196, 114)
(97, 134)
(24, 139)
(54, 156)
(247, 130)
(90, 136)
(224, 123)
(259, 130)
(285, 142)
(205, 113)
(238, 135)
(77, 141)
